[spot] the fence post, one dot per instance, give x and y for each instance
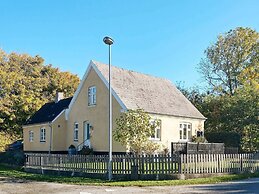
(241, 163)
(134, 168)
(142, 164)
(180, 164)
(25, 160)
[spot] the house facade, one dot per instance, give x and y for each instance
(83, 118)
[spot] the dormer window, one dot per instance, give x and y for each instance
(91, 96)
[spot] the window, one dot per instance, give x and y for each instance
(185, 131)
(31, 136)
(157, 134)
(92, 96)
(42, 135)
(76, 132)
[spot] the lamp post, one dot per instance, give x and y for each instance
(109, 41)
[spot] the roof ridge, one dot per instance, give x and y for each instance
(124, 69)
(59, 100)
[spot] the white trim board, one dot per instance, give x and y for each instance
(58, 116)
(36, 124)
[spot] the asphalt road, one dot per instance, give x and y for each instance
(14, 186)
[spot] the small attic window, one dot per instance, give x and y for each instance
(91, 96)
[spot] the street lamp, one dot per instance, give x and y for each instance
(109, 41)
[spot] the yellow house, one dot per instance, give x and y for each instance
(83, 118)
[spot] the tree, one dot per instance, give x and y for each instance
(25, 85)
(231, 113)
(231, 69)
(134, 128)
(228, 57)
(59, 81)
(192, 94)
(5, 139)
(250, 140)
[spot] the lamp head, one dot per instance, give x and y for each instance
(108, 40)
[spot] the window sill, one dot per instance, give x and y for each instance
(155, 139)
(42, 141)
(75, 140)
(184, 140)
(91, 105)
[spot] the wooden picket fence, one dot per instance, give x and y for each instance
(218, 163)
(146, 165)
(121, 164)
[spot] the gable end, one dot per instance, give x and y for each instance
(93, 66)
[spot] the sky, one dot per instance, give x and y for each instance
(157, 37)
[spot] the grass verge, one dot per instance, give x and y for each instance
(18, 173)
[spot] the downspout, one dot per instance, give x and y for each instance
(50, 137)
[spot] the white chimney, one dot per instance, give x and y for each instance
(59, 96)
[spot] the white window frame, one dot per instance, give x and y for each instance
(76, 131)
(185, 128)
(91, 96)
(31, 136)
(157, 134)
(42, 135)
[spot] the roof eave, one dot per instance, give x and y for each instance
(167, 114)
(36, 124)
(47, 122)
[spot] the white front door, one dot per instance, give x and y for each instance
(87, 134)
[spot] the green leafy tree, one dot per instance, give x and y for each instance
(250, 140)
(193, 95)
(231, 69)
(231, 113)
(228, 57)
(134, 129)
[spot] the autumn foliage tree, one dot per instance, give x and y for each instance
(25, 85)
(225, 60)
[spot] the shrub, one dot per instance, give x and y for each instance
(199, 139)
(230, 139)
(86, 150)
(12, 157)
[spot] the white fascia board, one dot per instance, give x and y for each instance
(92, 65)
(35, 125)
(77, 91)
(107, 85)
(45, 123)
(58, 116)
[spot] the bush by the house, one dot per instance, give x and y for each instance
(230, 139)
(13, 157)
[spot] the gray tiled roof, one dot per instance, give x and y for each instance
(153, 94)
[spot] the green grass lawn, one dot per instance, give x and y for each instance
(20, 174)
